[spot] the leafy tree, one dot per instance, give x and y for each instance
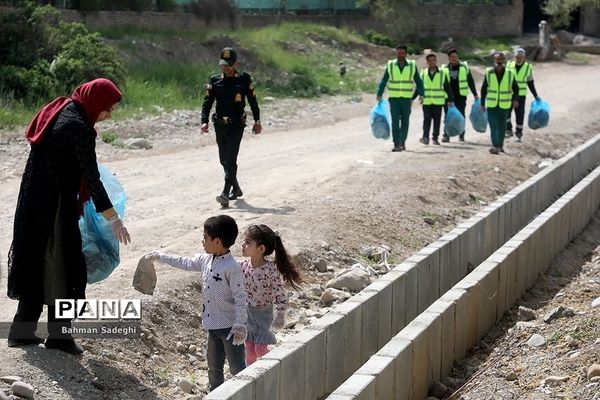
(395, 15)
(560, 10)
(39, 59)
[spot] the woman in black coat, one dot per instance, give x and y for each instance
(46, 261)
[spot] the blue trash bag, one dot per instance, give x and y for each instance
(100, 247)
(454, 124)
(478, 117)
(539, 114)
(380, 120)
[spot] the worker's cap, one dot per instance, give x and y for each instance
(520, 52)
(228, 56)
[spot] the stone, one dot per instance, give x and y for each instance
(536, 340)
(158, 360)
(185, 385)
(144, 279)
(596, 303)
(354, 279)
(10, 379)
(593, 370)
(555, 379)
(558, 312)
(525, 314)
(331, 295)
(438, 390)
(511, 376)
(97, 384)
(22, 389)
(138, 143)
(180, 347)
(4, 396)
(321, 265)
(192, 349)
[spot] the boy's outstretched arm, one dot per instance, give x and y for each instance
(195, 263)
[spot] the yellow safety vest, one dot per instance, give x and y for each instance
(499, 94)
(522, 75)
(400, 84)
(434, 88)
(463, 72)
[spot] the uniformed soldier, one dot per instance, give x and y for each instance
(524, 75)
(461, 81)
(499, 92)
(400, 77)
(229, 89)
(437, 94)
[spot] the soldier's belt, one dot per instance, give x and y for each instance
(228, 120)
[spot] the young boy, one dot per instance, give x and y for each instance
(224, 311)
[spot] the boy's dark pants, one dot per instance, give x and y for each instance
(218, 349)
(432, 112)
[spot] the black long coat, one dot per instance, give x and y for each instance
(45, 260)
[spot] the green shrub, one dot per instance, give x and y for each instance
(166, 5)
(379, 38)
(109, 137)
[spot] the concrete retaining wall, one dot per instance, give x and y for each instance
(319, 359)
(426, 348)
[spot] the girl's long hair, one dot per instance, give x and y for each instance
(264, 235)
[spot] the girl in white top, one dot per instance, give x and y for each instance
(265, 287)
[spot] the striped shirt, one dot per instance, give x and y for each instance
(223, 294)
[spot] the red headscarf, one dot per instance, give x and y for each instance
(94, 96)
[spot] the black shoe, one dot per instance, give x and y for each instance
(508, 133)
(223, 199)
(461, 138)
(402, 147)
(34, 341)
(235, 193)
(519, 135)
(66, 345)
(494, 150)
(424, 140)
(501, 149)
(435, 141)
(396, 148)
(445, 139)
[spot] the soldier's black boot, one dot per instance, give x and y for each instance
(223, 198)
(236, 190)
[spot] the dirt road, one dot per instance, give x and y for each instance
(328, 189)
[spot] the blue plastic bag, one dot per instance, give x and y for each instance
(99, 245)
(454, 124)
(478, 117)
(380, 120)
(539, 114)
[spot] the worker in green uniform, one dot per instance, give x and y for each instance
(523, 72)
(229, 89)
(437, 94)
(461, 80)
(499, 92)
(400, 76)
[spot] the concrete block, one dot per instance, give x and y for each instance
(233, 389)
(502, 224)
(361, 387)
(411, 274)
(265, 377)
(418, 332)
(292, 374)
(461, 318)
(369, 327)
(470, 284)
(353, 332)
(400, 351)
(314, 342)
(446, 311)
(447, 274)
(383, 369)
(385, 297)
(488, 300)
(334, 326)
(398, 311)
(335, 396)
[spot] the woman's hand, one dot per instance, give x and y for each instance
(119, 230)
